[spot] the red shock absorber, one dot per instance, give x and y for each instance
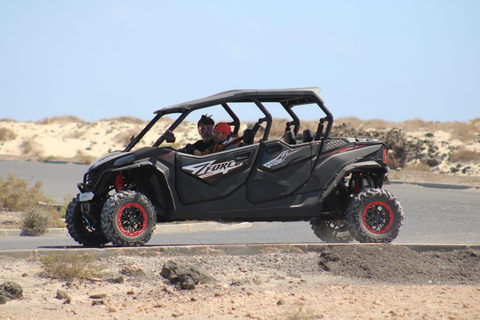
(119, 183)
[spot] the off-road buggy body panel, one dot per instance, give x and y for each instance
(308, 177)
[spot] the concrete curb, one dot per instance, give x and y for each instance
(436, 185)
(160, 228)
(235, 249)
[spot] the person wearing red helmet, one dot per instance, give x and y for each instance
(223, 138)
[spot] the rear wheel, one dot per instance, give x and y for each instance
(332, 231)
(128, 219)
(83, 230)
(374, 215)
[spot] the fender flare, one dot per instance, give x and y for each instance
(348, 168)
(162, 173)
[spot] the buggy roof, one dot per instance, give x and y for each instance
(290, 97)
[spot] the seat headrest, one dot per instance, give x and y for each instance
(307, 135)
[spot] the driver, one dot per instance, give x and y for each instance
(205, 130)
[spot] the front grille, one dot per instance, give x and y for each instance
(91, 178)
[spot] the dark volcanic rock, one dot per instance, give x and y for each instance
(10, 290)
(184, 276)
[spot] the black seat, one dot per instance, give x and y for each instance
(307, 135)
(248, 136)
(290, 137)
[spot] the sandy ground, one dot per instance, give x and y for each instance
(379, 282)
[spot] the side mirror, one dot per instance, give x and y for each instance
(169, 136)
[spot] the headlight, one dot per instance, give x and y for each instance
(124, 160)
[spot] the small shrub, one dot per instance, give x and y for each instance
(28, 147)
(84, 158)
(49, 158)
(35, 221)
(377, 124)
(412, 125)
(125, 137)
(69, 266)
(300, 313)
(127, 119)
(74, 135)
(464, 131)
(17, 195)
(62, 119)
(7, 134)
(464, 155)
(418, 166)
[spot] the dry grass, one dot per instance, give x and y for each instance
(62, 119)
(28, 147)
(68, 266)
(300, 313)
(7, 120)
(464, 155)
(48, 158)
(363, 125)
(17, 195)
(418, 166)
(126, 119)
(7, 134)
(125, 137)
(84, 158)
(465, 131)
(74, 135)
(36, 221)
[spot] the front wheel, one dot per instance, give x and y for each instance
(374, 215)
(128, 219)
(83, 230)
(332, 231)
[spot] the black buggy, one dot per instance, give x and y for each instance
(335, 183)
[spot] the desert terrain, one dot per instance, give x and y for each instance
(342, 282)
(449, 148)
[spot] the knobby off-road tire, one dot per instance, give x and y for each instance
(80, 229)
(128, 219)
(374, 215)
(331, 231)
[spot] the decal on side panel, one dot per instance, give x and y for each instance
(210, 168)
(280, 158)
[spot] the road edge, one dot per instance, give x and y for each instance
(160, 228)
(231, 249)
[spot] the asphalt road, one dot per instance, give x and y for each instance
(432, 215)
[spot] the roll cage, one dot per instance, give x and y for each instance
(287, 98)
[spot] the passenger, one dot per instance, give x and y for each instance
(205, 129)
(223, 138)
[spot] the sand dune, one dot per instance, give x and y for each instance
(435, 148)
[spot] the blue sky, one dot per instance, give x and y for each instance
(391, 60)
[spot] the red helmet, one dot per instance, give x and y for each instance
(223, 127)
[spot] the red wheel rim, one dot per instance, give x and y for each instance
(377, 217)
(132, 219)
